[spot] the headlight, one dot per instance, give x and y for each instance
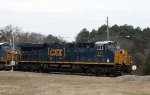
(121, 52)
(134, 67)
(107, 60)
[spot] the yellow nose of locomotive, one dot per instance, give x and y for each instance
(121, 57)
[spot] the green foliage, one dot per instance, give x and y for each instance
(50, 39)
(83, 36)
(115, 29)
(126, 30)
(102, 29)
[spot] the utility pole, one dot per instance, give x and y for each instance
(107, 30)
(12, 61)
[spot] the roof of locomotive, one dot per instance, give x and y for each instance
(30, 45)
(34, 45)
(103, 42)
(41, 45)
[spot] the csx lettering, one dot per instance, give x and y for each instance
(55, 52)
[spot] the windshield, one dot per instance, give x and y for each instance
(113, 47)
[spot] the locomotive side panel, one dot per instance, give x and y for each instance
(32, 52)
(91, 58)
(85, 52)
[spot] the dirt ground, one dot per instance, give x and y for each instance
(27, 83)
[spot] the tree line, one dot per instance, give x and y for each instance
(21, 36)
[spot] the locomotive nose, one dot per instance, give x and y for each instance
(121, 56)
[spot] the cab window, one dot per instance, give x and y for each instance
(100, 47)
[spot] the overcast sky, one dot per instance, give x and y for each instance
(67, 18)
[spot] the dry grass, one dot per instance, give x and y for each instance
(26, 83)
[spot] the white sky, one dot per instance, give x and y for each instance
(67, 18)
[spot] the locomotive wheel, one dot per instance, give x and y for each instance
(84, 69)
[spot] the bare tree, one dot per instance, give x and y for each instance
(6, 33)
(27, 37)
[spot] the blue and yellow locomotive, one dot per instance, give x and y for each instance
(4, 54)
(103, 57)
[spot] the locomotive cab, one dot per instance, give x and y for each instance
(105, 51)
(107, 45)
(110, 53)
